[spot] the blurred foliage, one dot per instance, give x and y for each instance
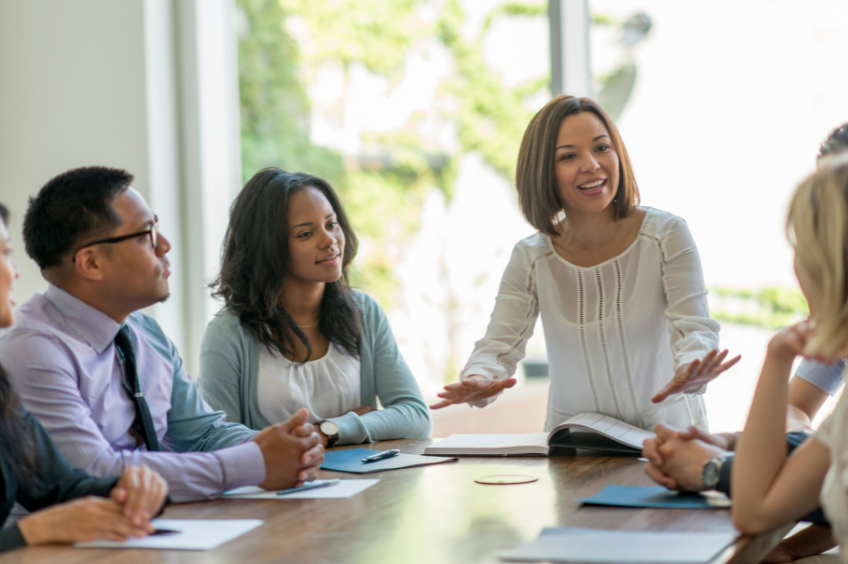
(490, 118)
(283, 44)
(374, 33)
(773, 307)
(531, 10)
(274, 105)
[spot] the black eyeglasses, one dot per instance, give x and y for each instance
(153, 233)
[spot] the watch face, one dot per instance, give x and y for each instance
(711, 473)
(329, 428)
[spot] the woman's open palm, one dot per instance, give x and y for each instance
(693, 375)
(471, 389)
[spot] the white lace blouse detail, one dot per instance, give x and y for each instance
(615, 332)
(327, 387)
(833, 434)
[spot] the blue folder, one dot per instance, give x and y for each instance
(654, 496)
(350, 460)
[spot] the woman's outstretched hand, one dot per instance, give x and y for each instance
(693, 375)
(471, 389)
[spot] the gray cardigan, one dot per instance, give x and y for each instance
(229, 368)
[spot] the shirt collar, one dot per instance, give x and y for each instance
(92, 325)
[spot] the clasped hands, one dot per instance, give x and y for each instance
(676, 458)
(292, 451)
(136, 498)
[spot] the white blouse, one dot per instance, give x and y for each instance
(833, 434)
(615, 332)
(327, 387)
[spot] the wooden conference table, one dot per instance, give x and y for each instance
(432, 515)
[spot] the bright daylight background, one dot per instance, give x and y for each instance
(415, 113)
(414, 110)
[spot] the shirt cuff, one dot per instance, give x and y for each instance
(352, 429)
(243, 465)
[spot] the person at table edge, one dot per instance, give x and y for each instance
(97, 244)
(67, 505)
(694, 461)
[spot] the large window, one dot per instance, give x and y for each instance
(414, 110)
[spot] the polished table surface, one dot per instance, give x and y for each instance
(434, 514)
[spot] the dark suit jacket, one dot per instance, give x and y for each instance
(59, 482)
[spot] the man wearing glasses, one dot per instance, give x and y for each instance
(102, 377)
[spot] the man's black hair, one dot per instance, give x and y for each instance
(70, 209)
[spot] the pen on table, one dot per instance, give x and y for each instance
(381, 456)
(164, 532)
(325, 484)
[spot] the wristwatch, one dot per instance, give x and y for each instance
(329, 430)
(711, 472)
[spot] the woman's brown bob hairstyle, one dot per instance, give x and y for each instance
(534, 174)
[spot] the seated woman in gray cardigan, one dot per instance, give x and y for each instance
(292, 333)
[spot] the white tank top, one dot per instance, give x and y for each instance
(327, 387)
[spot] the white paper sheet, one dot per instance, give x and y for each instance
(345, 488)
(195, 534)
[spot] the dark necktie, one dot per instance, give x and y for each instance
(143, 423)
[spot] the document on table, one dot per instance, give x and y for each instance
(626, 547)
(655, 496)
(345, 488)
(195, 534)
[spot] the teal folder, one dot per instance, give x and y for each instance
(350, 460)
(654, 497)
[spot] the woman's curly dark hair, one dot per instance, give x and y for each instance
(253, 265)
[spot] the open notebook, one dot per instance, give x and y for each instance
(585, 430)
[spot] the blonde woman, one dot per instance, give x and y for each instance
(619, 287)
(769, 489)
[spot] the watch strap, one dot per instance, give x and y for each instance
(711, 472)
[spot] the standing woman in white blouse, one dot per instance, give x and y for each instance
(293, 334)
(619, 287)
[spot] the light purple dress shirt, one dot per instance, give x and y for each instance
(62, 359)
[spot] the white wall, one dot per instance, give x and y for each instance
(145, 85)
(72, 93)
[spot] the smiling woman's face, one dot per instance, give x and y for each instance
(316, 240)
(8, 273)
(586, 164)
